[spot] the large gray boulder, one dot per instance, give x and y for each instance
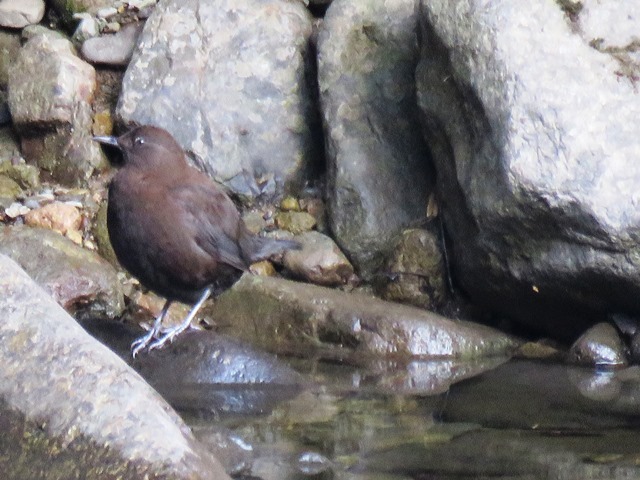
(378, 166)
(228, 80)
(82, 407)
(535, 137)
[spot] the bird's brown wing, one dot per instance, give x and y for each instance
(215, 221)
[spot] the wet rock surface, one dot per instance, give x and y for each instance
(206, 373)
(285, 316)
(101, 417)
(79, 280)
(600, 345)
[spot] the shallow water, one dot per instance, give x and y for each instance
(519, 420)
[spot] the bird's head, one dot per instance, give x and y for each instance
(146, 146)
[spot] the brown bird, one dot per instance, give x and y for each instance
(174, 229)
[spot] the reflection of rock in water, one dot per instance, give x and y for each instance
(207, 373)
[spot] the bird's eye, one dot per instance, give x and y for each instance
(138, 141)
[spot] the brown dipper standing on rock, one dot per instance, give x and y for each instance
(174, 229)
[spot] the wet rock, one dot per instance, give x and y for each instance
(20, 13)
(295, 222)
(113, 49)
(227, 79)
(50, 94)
(86, 409)
(281, 315)
(202, 372)
(208, 358)
(378, 166)
(415, 271)
(600, 345)
(320, 260)
(76, 278)
(9, 48)
(534, 205)
(57, 216)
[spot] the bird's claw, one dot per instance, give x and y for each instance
(138, 345)
(168, 336)
(141, 343)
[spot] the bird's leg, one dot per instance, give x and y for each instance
(171, 333)
(143, 341)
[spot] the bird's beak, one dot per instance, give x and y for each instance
(113, 141)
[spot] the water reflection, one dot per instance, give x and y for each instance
(388, 421)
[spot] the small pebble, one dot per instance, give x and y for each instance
(600, 345)
(75, 236)
(295, 222)
(290, 203)
(88, 27)
(111, 27)
(263, 269)
(16, 209)
(57, 216)
(107, 12)
(320, 261)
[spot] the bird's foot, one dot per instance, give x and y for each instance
(141, 343)
(168, 335)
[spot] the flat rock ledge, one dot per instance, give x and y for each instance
(291, 317)
(72, 408)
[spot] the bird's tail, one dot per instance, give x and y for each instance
(255, 248)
